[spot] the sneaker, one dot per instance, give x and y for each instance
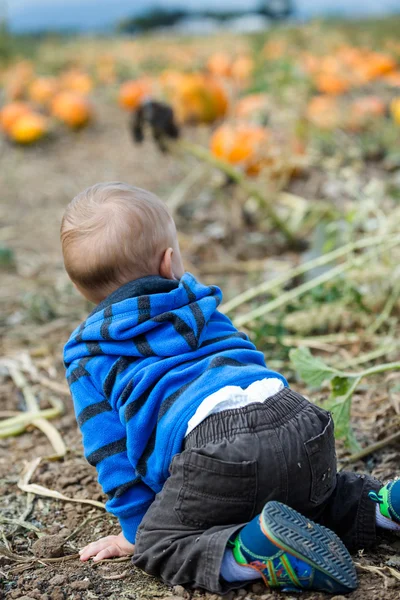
(293, 553)
(388, 499)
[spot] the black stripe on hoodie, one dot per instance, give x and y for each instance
(106, 451)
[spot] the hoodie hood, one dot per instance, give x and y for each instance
(151, 316)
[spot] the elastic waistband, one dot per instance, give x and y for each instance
(273, 412)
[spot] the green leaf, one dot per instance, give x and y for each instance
(311, 369)
(343, 429)
(341, 416)
(340, 386)
(342, 389)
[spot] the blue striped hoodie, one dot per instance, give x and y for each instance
(138, 368)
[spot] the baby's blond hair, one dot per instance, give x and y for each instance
(112, 233)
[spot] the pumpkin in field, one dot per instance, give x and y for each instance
(331, 83)
(199, 98)
(364, 109)
(395, 110)
(392, 79)
(253, 104)
(242, 69)
(324, 112)
(170, 82)
(29, 128)
(131, 93)
(42, 90)
(11, 112)
(17, 79)
(376, 65)
(242, 145)
(78, 81)
(219, 64)
(309, 63)
(72, 109)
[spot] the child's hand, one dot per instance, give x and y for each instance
(107, 547)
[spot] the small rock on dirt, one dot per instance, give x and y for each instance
(25, 598)
(338, 598)
(57, 594)
(258, 588)
(49, 546)
(58, 580)
(80, 585)
(179, 590)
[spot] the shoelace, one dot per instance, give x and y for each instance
(272, 579)
(375, 497)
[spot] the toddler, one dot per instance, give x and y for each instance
(218, 472)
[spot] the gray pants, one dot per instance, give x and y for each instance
(231, 465)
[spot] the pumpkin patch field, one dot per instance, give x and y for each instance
(278, 155)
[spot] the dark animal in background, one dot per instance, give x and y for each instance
(159, 117)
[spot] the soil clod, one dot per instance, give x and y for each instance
(49, 546)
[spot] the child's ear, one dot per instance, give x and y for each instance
(165, 269)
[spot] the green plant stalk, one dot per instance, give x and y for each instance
(20, 523)
(301, 289)
(204, 155)
(372, 448)
(12, 431)
(348, 396)
(26, 418)
(387, 309)
(393, 366)
(267, 286)
(369, 356)
(292, 294)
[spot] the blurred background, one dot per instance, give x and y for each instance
(36, 16)
(285, 186)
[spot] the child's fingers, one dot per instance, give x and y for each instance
(95, 547)
(109, 552)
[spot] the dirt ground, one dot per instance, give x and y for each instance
(38, 311)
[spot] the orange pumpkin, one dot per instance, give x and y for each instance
(75, 80)
(392, 79)
(369, 106)
(242, 69)
(309, 63)
(42, 90)
(242, 145)
(331, 83)
(365, 109)
(251, 104)
(72, 109)
(131, 93)
(220, 64)
(17, 79)
(170, 80)
(395, 110)
(323, 112)
(11, 112)
(29, 128)
(377, 65)
(199, 98)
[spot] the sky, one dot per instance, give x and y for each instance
(34, 15)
